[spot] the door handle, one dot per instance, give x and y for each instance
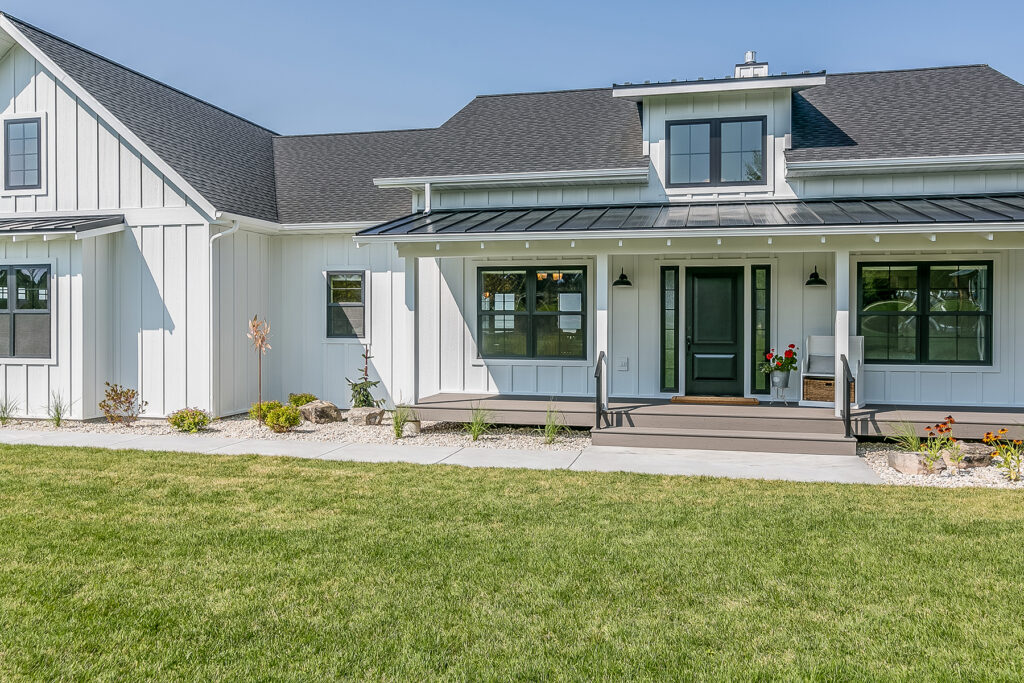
(689, 342)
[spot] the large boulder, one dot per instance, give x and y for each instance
(321, 412)
(365, 416)
(912, 463)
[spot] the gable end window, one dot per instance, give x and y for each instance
(346, 304)
(23, 151)
(25, 312)
(938, 313)
(711, 152)
(532, 312)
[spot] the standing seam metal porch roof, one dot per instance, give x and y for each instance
(75, 225)
(967, 210)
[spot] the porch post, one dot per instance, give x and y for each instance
(842, 324)
(601, 307)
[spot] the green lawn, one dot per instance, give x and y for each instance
(127, 565)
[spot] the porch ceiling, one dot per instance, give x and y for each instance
(965, 210)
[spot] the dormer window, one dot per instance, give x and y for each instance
(712, 152)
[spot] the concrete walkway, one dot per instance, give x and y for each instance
(835, 468)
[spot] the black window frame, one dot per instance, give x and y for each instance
(39, 153)
(14, 312)
(923, 314)
(356, 334)
(715, 150)
(530, 313)
(757, 355)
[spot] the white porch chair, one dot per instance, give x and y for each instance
(819, 361)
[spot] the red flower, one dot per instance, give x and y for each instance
(792, 346)
(778, 364)
(789, 353)
(769, 356)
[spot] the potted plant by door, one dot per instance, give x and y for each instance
(779, 365)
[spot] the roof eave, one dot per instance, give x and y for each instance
(971, 162)
(603, 176)
(639, 91)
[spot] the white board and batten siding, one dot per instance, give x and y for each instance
(304, 359)
(131, 307)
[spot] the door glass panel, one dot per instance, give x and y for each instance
(670, 328)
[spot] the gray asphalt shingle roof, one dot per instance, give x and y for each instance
(914, 113)
(227, 159)
(323, 178)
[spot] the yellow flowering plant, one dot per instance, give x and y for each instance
(1008, 454)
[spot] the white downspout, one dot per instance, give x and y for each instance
(213, 238)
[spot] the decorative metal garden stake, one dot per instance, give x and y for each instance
(259, 332)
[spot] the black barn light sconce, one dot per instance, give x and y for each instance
(815, 280)
(622, 280)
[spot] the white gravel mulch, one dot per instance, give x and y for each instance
(877, 457)
(433, 433)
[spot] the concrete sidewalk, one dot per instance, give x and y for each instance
(834, 468)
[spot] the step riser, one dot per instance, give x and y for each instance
(727, 424)
(724, 443)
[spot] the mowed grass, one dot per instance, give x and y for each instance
(128, 565)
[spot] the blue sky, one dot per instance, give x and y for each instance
(310, 66)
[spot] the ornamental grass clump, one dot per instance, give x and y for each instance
(8, 407)
(1007, 454)
(904, 435)
(401, 416)
(554, 425)
(479, 423)
(190, 420)
(283, 418)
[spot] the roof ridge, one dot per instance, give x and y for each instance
(353, 132)
(920, 68)
(16, 20)
(541, 92)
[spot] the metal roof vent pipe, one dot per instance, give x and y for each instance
(750, 68)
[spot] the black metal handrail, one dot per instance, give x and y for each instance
(847, 380)
(598, 390)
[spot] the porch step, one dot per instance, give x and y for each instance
(730, 440)
(728, 420)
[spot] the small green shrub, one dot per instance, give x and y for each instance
(299, 400)
(254, 411)
(8, 407)
(57, 409)
(283, 418)
(401, 416)
(554, 425)
(189, 420)
(479, 423)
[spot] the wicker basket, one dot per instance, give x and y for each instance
(818, 389)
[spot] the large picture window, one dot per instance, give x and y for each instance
(346, 304)
(938, 313)
(25, 311)
(532, 313)
(716, 152)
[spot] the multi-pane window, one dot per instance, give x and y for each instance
(716, 152)
(22, 152)
(926, 312)
(760, 327)
(346, 304)
(532, 313)
(25, 311)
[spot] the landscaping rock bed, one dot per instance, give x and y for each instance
(877, 457)
(431, 433)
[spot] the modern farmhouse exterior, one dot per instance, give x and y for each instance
(676, 231)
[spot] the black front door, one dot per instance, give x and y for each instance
(714, 331)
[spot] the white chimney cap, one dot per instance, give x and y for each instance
(750, 57)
